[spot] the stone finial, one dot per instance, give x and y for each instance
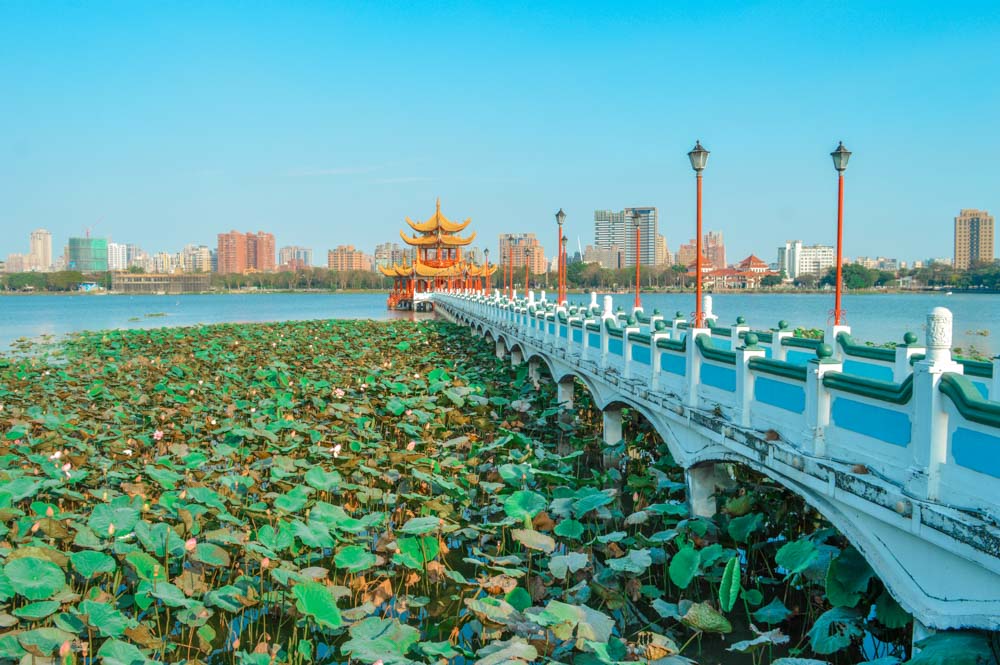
(543, 296)
(707, 306)
(939, 334)
(909, 339)
(608, 306)
(531, 298)
(740, 320)
(593, 299)
(782, 325)
(824, 352)
(750, 340)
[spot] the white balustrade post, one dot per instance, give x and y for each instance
(830, 337)
(817, 411)
(693, 362)
(902, 367)
(531, 298)
(606, 315)
(593, 300)
(778, 351)
(744, 377)
(995, 388)
(706, 309)
(737, 329)
(675, 326)
(655, 353)
(930, 420)
(627, 345)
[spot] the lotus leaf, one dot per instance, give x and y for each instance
(796, 556)
(387, 640)
(684, 566)
(834, 630)
(355, 559)
(34, 578)
(704, 617)
(316, 601)
(534, 540)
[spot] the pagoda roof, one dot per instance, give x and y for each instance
(438, 222)
(437, 238)
(423, 270)
(752, 261)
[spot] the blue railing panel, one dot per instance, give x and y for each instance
(722, 378)
(868, 370)
(641, 354)
(875, 421)
(976, 450)
(783, 395)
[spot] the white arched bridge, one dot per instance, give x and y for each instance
(898, 447)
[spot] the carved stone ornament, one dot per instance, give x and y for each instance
(939, 328)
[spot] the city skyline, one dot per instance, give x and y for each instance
(251, 127)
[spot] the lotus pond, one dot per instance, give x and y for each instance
(387, 493)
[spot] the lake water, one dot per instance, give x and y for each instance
(878, 318)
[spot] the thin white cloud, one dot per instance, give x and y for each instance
(402, 179)
(345, 170)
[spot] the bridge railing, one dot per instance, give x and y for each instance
(921, 422)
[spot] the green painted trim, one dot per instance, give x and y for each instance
(709, 352)
(801, 342)
(969, 401)
(562, 317)
(673, 344)
(722, 332)
(764, 336)
(862, 351)
(642, 318)
(976, 367)
(596, 327)
(778, 368)
(885, 391)
(917, 357)
(683, 325)
(639, 338)
(576, 323)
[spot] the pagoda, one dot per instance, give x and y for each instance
(438, 265)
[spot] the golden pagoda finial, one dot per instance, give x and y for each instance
(438, 208)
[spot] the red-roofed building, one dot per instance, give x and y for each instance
(747, 274)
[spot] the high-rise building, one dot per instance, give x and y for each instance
(796, 259)
(241, 252)
(715, 249)
(40, 252)
(612, 257)
(117, 256)
(88, 254)
(196, 258)
(974, 239)
(293, 257)
(618, 229)
(388, 254)
(345, 257)
(521, 249)
(662, 253)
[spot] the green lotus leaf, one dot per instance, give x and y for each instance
(35, 611)
(834, 630)
(121, 515)
(524, 504)
(569, 528)
(90, 563)
(315, 600)
(355, 559)
(375, 639)
(418, 526)
(635, 562)
(704, 617)
(684, 566)
(729, 587)
(740, 528)
(34, 578)
(108, 621)
(564, 564)
(796, 556)
(211, 555)
(416, 552)
(117, 652)
(44, 640)
(772, 613)
(146, 567)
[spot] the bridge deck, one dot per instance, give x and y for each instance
(899, 448)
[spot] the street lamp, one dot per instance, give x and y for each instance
(488, 281)
(637, 220)
(840, 157)
(699, 158)
(560, 218)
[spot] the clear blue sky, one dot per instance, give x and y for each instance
(328, 122)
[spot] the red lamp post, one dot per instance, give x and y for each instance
(840, 157)
(560, 218)
(565, 270)
(487, 280)
(637, 220)
(510, 271)
(699, 158)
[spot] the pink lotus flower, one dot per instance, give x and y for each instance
(339, 393)
(265, 562)
(64, 649)
(157, 435)
(190, 544)
(411, 445)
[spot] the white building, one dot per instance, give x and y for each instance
(796, 259)
(196, 258)
(117, 256)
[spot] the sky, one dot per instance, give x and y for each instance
(326, 123)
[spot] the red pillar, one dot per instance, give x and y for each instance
(837, 311)
(698, 316)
